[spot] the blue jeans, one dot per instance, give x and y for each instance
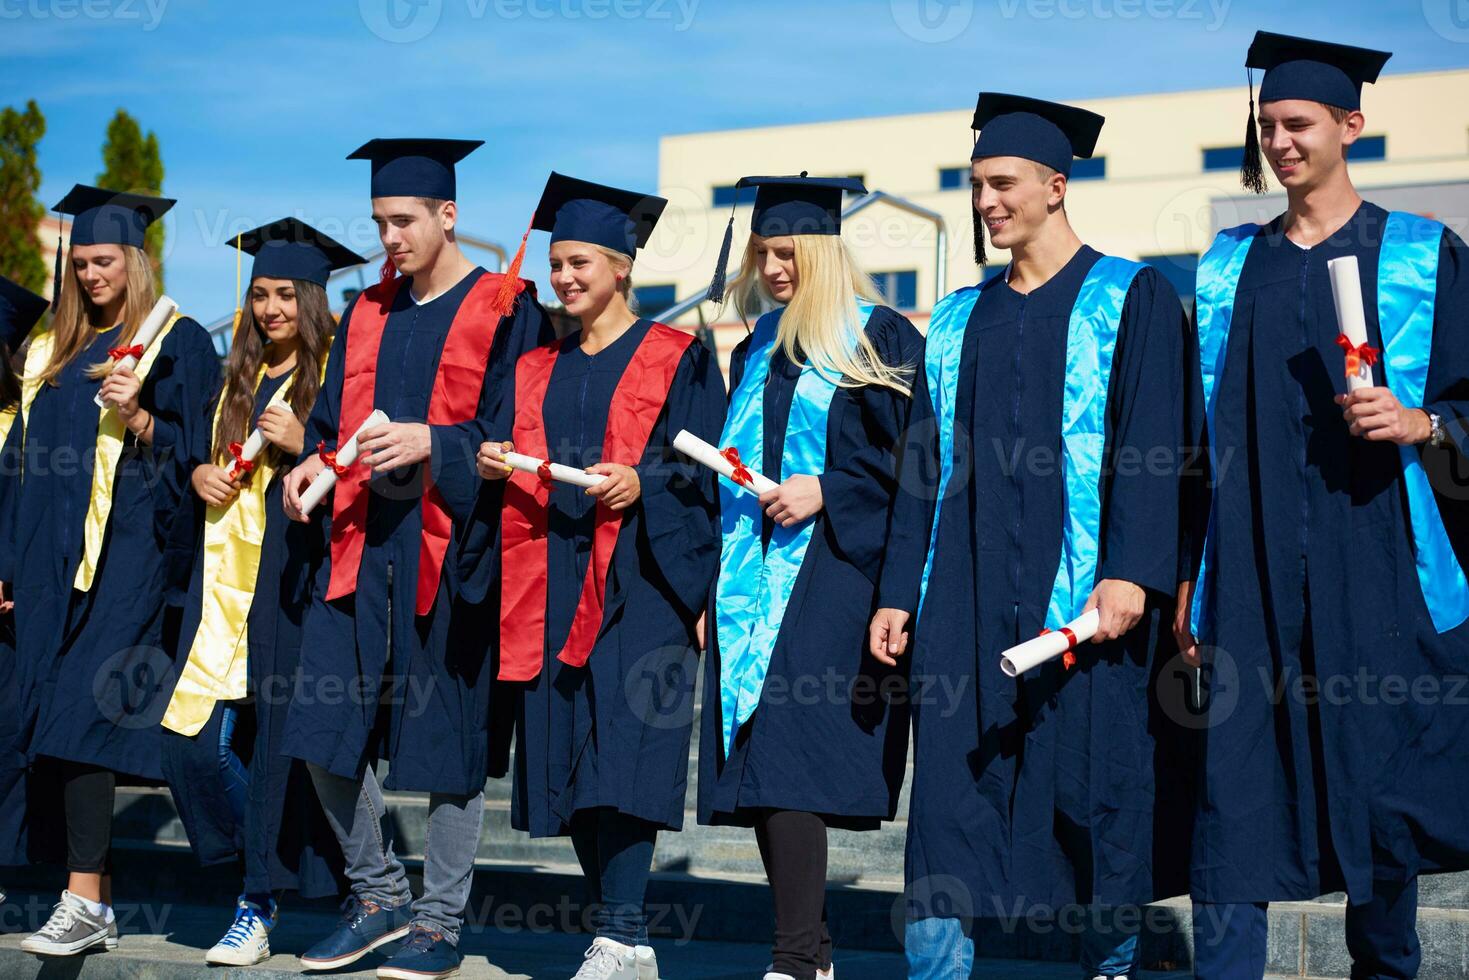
(1382, 936)
(940, 949)
(233, 775)
(615, 852)
(356, 811)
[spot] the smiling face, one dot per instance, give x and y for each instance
(584, 277)
(1014, 197)
(1304, 142)
(412, 230)
(102, 272)
(775, 258)
(273, 303)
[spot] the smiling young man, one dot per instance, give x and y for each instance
(1332, 568)
(1031, 490)
(394, 650)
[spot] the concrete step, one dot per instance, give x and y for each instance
(709, 885)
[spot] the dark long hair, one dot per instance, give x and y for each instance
(314, 327)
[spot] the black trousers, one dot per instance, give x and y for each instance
(793, 847)
(88, 792)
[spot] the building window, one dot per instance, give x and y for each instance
(1094, 168)
(899, 289)
(1223, 157)
(953, 178)
(1368, 148)
(726, 195)
(1178, 268)
(655, 299)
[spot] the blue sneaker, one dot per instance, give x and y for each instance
(425, 956)
(364, 927)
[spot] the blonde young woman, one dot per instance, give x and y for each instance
(98, 490)
(604, 586)
(800, 730)
(248, 581)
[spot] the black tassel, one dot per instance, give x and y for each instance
(716, 285)
(978, 237)
(56, 272)
(1251, 173)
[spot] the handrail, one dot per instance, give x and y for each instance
(941, 251)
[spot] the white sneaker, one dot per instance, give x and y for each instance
(71, 930)
(830, 973)
(647, 962)
(607, 959)
(248, 940)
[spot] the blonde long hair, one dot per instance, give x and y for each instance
(821, 323)
(71, 315)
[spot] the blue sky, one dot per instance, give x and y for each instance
(256, 104)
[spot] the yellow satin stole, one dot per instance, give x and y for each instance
(110, 436)
(217, 668)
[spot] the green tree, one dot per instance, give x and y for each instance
(21, 258)
(132, 163)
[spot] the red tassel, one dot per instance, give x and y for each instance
(510, 286)
(388, 272)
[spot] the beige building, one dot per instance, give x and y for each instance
(1163, 180)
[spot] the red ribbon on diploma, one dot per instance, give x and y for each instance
(118, 353)
(1068, 659)
(242, 465)
(741, 474)
(1357, 354)
(543, 472)
(329, 457)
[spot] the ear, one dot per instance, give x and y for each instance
(1352, 127)
(448, 215)
(1056, 190)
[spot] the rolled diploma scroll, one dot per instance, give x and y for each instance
(346, 456)
(1346, 290)
(147, 333)
(1048, 646)
(565, 474)
(701, 452)
(252, 446)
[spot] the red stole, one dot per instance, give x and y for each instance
(636, 405)
(455, 398)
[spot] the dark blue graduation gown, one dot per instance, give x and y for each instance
(13, 763)
(1315, 574)
(435, 722)
(841, 753)
(286, 840)
(97, 665)
(1005, 770)
(615, 732)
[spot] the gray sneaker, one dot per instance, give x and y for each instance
(71, 930)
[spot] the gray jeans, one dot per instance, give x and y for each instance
(356, 814)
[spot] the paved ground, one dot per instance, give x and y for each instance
(168, 943)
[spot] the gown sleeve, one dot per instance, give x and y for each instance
(185, 380)
(323, 422)
(914, 503)
(1193, 487)
(455, 446)
(1447, 390)
(679, 501)
(1145, 409)
(10, 496)
(857, 488)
